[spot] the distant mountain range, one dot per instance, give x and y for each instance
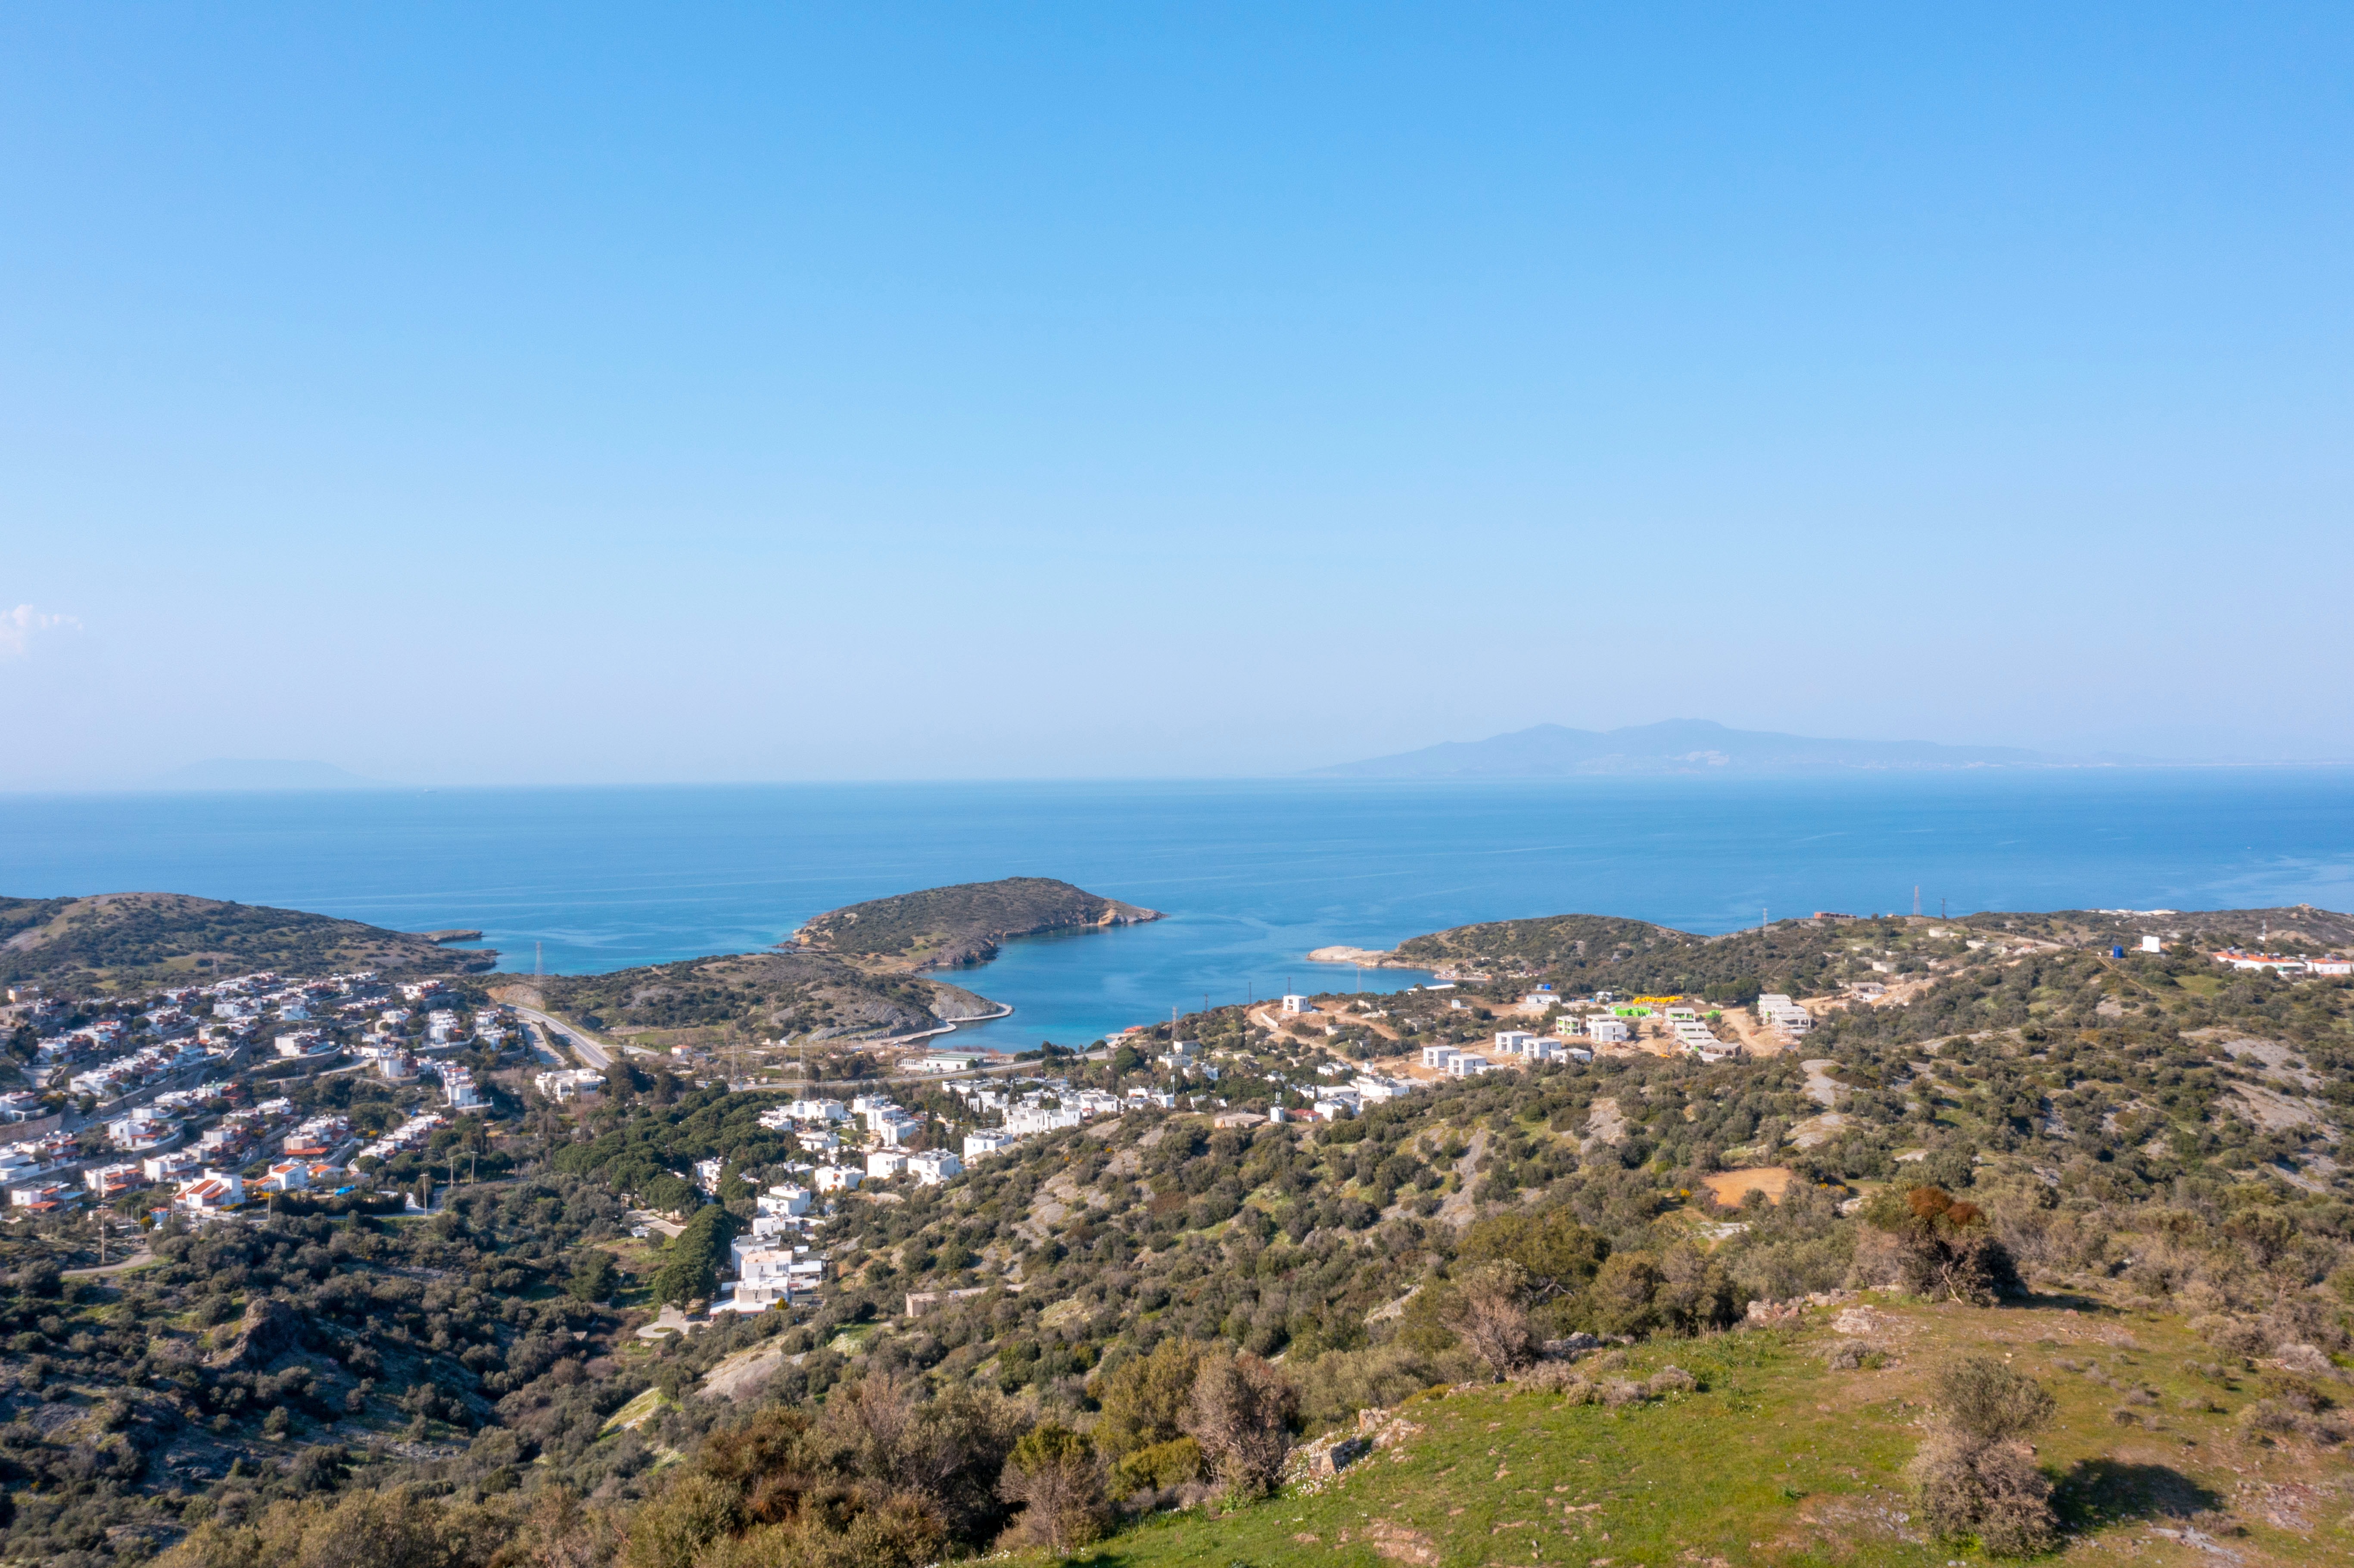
(236, 773)
(1685, 745)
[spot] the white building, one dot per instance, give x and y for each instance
(1605, 1030)
(784, 1198)
(839, 1177)
(1438, 1057)
(569, 1082)
(1024, 1121)
(458, 1087)
(1779, 1011)
(170, 1167)
(2152, 945)
(885, 1163)
(951, 1060)
(1513, 1042)
(934, 1166)
(980, 1144)
(1298, 1004)
(214, 1193)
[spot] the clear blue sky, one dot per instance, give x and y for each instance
(580, 393)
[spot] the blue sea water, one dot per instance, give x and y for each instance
(1253, 874)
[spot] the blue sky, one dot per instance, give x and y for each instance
(588, 394)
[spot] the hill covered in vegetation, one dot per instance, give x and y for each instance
(943, 927)
(2124, 1175)
(117, 940)
(793, 994)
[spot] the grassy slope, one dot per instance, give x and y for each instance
(1780, 1460)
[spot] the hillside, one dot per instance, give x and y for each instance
(2150, 1149)
(1676, 746)
(763, 994)
(1782, 1457)
(1592, 952)
(1542, 943)
(942, 926)
(2299, 929)
(118, 939)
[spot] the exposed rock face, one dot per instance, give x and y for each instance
(269, 1329)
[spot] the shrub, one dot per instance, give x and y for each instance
(1484, 1308)
(1057, 1476)
(1928, 1244)
(1241, 1414)
(1974, 1474)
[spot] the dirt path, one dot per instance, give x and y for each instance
(1821, 1088)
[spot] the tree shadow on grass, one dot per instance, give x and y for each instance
(2103, 1492)
(2058, 1301)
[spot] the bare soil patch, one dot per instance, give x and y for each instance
(1728, 1185)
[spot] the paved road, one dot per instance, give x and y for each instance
(138, 1259)
(597, 1053)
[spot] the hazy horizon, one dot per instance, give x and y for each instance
(897, 394)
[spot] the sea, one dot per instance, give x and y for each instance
(1252, 875)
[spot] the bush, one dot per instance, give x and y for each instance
(1057, 1476)
(1144, 1399)
(1484, 1308)
(1926, 1243)
(1974, 1474)
(1241, 1412)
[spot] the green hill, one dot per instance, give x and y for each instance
(964, 924)
(118, 939)
(762, 994)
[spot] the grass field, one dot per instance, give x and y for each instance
(1779, 1459)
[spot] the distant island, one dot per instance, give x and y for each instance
(1684, 746)
(943, 928)
(113, 940)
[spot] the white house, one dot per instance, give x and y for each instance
(1513, 1042)
(884, 1164)
(214, 1193)
(978, 1144)
(169, 1167)
(458, 1087)
(934, 1166)
(784, 1198)
(1779, 1011)
(106, 1181)
(1438, 1057)
(1605, 1030)
(568, 1082)
(1298, 1004)
(1022, 1121)
(839, 1177)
